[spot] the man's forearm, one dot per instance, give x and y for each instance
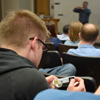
(76, 10)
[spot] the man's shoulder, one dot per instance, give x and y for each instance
(85, 50)
(13, 61)
(87, 8)
(72, 51)
(76, 51)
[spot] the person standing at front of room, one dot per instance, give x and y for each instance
(84, 12)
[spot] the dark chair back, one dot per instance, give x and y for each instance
(51, 45)
(97, 44)
(63, 41)
(65, 48)
(50, 59)
(90, 83)
(85, 66)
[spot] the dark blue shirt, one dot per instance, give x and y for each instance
(83, 14)
(56, 41)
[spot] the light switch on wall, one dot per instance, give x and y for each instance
(65, 15)
(72, 15)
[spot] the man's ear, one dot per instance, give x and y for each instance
(79, 35)
(96, 38)
(34, 43)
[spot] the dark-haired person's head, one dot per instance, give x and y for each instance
(89, 33)
(51, 27)
(65, 29)
(85, 4)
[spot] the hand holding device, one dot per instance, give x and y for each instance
(59, 82)
(76, 84)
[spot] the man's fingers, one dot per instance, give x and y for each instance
(77, 79)
(72, 82)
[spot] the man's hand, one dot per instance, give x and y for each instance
(79, 87)
(82, 8)
(50, 80)
(78, 7)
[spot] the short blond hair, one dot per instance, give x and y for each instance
(74, 29)
(18, 26)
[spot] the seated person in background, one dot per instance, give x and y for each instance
(64, 70)
(64, 35)
(74, 29)
(88, 35)
(53, 38)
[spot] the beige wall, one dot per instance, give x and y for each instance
(51, 10)
(10, 5)
(25, 4)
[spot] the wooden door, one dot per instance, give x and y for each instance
(0, 11)
(42, 7)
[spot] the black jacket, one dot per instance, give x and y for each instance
(19, 77)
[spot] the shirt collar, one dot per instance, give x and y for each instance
(86, 45)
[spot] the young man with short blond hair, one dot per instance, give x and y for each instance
(22, 37)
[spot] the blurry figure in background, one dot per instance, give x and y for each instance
(53, 38)
(84, 12)
(74, 29)
(64, 35)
